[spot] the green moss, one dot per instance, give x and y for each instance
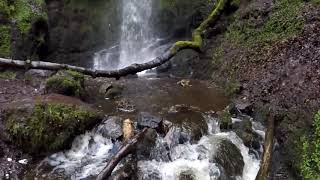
(282, 24)
(310, 164)
(232, 87)
(24, 14)
(224, 119)
(5, 41)
(8, 75)
(235, 3)
(66, 82)
(217, 55)
(316, 2)
(50, 127)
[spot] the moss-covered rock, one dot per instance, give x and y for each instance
(225, 119)
(47, 123)
(67, 83)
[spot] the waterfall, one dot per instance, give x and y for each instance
(136, 34)
(137, 44)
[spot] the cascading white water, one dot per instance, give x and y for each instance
(138, 43)
(91, 151)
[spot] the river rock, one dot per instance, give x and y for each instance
(145, 147)
(229, 157)
(111, 127)
(187, 175)
(127, 171)
(244, 130)
(111, 91)
(145, 119)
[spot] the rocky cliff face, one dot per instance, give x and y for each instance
(78, 28)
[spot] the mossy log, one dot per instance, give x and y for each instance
(268, 149)
(195, 43)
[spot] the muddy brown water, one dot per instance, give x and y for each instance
(158, 95)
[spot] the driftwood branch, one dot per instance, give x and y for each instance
(268, 149)
(195, 43)
(126, 149)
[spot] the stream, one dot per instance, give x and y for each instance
(193, 146)
(188, 150)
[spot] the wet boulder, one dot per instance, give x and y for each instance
(47, 123)
(127, 171)
(230, 158)
(147, 120)
(187, 175)
(145, 147)
(111, 91)
(244, 130)
(111, 127)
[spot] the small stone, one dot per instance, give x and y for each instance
(23, 161)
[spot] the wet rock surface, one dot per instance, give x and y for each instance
(145, 119)
(230, 158)
(111, 127)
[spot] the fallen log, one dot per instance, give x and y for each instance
(268, 150)
(195, 44)
(126, 149)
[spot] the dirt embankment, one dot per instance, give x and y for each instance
(272, 68)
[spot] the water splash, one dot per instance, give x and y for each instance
(91, 151)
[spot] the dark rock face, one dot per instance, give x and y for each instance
(147, 120)
(111, 127)
(79, 28)
(178, 18)
(230, 158)
(181, 65)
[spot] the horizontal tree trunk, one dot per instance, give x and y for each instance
(126, 149)
(195, 43)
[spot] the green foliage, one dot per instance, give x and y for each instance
(8, 75)
(224, 119)
(316, 2)
(232, 87)
(310, 165)
(50, 127)
(24, 14)
(66, 82)
(5, 41)
(218, 53)
(283, 23)
(235, 3)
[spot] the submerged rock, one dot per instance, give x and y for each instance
(47, 123)
(229, 157)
